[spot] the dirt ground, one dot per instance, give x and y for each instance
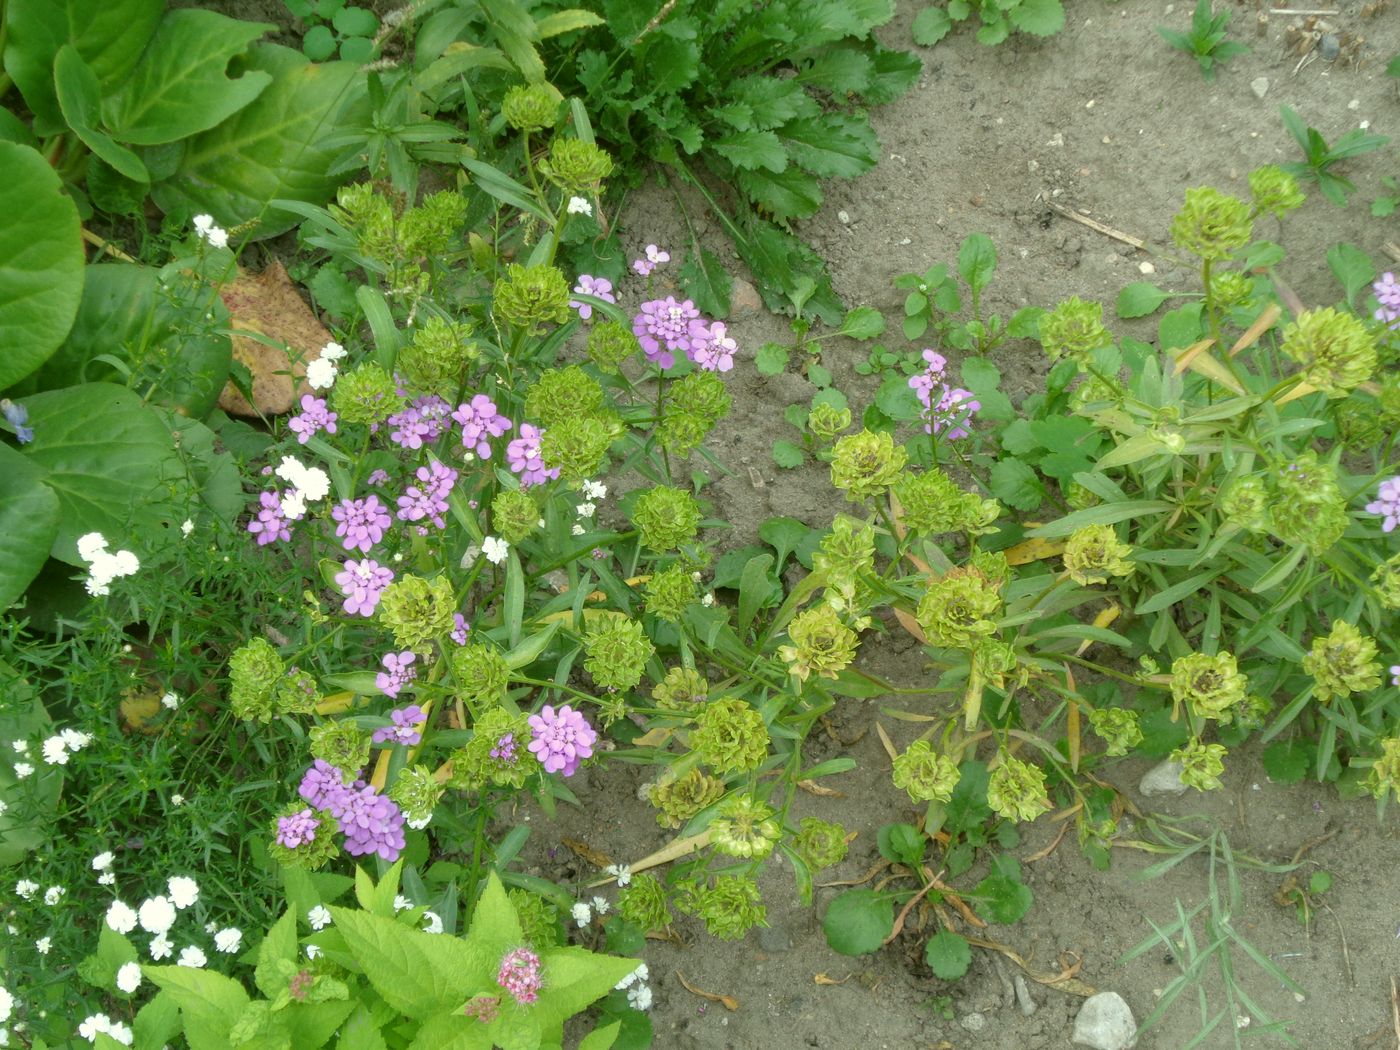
(1106, 119)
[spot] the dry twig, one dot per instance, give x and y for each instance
(1096, 226)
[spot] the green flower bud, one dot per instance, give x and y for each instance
(366, 395)
(1074, 329)
(1384, 776)
(530, 107)
(341, 744)
(666, 517)
(617, 653)
(562, 394)
(576, 166)
(956, 609)
(501, 731)
(730, 736)
(1253, 712)
(846, 554)
(429, 228)
(417, 792)
(514, 515)
(1117, 727)
(255, 671)
(932, 504)
(1359, 425)
(642, 902)
(528, 297)
(1246, 503)
(1094, 391)
(732, 907)
(1212, 225)
(1386, 577)
(417, 610)
(820, 844)
(866, 464)
(1093, 554)
(1016, 790)
(993, 660)
(1229, 288)
(1334, 349)
(538, 918)
(679, 800)
(744, 827)
(436, 358)
(481, 673)
(693, 405)
(927, 775)
(820, 643)
(1210, 685)
(681, 690)
(1080, 498)
(1342, 662)
(578, 449)
(825, 421)
(671, 592)
(609, 344)
(1201, 764)
(371, 218)
(296, 693)
(309, 855)
(1274, 190)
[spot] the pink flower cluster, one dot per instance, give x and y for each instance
(1387, 504)
(404, 730)
(598, 287)
(370, 822)
(424, 421)
(398, 672)
(520, 975)
(428, 499)
(561, 739)
(269, 525)
(362, 582)
(361, 522)
(946, 408)
(523, 455)
(297, 829)
(314, 418)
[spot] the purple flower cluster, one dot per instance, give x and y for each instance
(398, 672)
(1387, 504)
(370, 822)
(480, 422)
(561, 739)
(428, 499)
(598, 287)
(424, 421)
(269, 525)
(523, 455)
(362, 582)
(297, 829)
(377, 477)
(504, 751)
(362, 522)
(314, 418)
(654, 258)
(946, 408)
(405, 728)
(711, 347)
(663, 327)
(460, 627)
(1387, 291)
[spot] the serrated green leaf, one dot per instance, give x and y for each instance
(793, 194)
(931, 25)
(707, 282)
(1016, 485)
(897, 400)
(361, 1032)
(158, 1022)
(1004, 900)
(280, 945)
(209, 1002)
(1287, 761)
(1140, 299)
(895, 73)
(772, 101)
(771, 359)
(948, 955)
(753, 149)
(984, 379)
(834, 145)
(858, 921)
(787, 455)
(864, 322)
(672, 64)
(418, 974)
(1038, 17)
(842, 70)
(787, 268)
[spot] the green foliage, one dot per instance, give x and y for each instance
(1320, 159)
(1206, 40)
(934, 302)
(333, 26)
(998, 19)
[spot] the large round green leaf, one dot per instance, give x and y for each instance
(28, 523)
(41, 262)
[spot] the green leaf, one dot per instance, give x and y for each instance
(113, 952)
(1352, 267)
(209, 1002)
(1287, 761)
(707, 282)
(1004, 900)
(1140, 299)
(356, 21)
(312, 1024)
(752, 149)
(786, 267)
(896, 399)
(1179, 328)
(29, 513)
(319, 43)
(864, 322)
(179, 87)
(274, 148)
(842, 70)
(931, 25)
(948, 955)
(792, 194)
(1016, 484)
(418, 974)
(1038, 17)
(280, 945)
(983, 379)
(833, 145)
(784, 535)
(80, 98)
(158, 1022)
(977, 261)
(771, 359)
(361, 1033)
(452, 1032)
(601, 1038)
(787, 455)
(773, 101)
(858, 921)
(575, 977)
(41, 278)
(1107, 514)
(902, 844)
(968, 807)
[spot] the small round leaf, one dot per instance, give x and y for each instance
(948, 955)
(858, 921)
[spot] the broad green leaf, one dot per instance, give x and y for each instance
(1016, 484)
(575, 977)
(601, 1038)
(931, 25)
(1287, 761)
(41, 262)
(842, 70)
(773, 101)
(449, 1031)
(355, 21)
(313, 1024)
(707, 282)
(276, 147)
(1004, 900)
(80, 99)
(361, 1033)
(948, 955)
(824, 21)
(752, 149)
(158, 1022)
(494, 926)
(858, 921)
(1038, 17)
(896, 399)
(566, 22)
(113, 951)
(787, 455)
(864, 322)
(771, 359)
(895, 73)
(833, 145)
(1352, 267)
(783, 535)
(29, 513)
(1139, 299)
(179, 87)
(984, 379)
(210, 1002)
(785, 266)
(977, 261)
(1179, 328)
(280, 944)
(418, 974)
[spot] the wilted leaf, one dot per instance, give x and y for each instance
(269, 304)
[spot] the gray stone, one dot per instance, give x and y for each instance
(974, 1022)
(775, 939)
(1330, 46)
(1023, 996)
(744, 300)
(1260, 86)
(1163, 779)
(1105, 1023)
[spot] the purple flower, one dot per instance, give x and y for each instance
(480, 421)
(460, 627)
(1387, 504)
(598, 287)
(428, 499)
(323, 786)
(520, 975)
(362, 522)
(1388, 295)
(561, 739)
(954, 412)
(362, 582)
(17, 415)
(425, 420)
(371, 823)
(297, 829)
(269, 525)
(314, 418)
(663, 327)
(654, 258)
(523, 455)
(398, 672)
(1395, 674)
(377, 477)
(710, 347)
(405, 728)
(504, 751)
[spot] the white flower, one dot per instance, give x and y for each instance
(579, 206)
(432, 922)
(419, 824)
(127, 563)
(621, 872)
(22, 770)
(312, 951)
(161, 947)
(639, 997)
(582, 914)
(129, 977)
(26, 888)
(43, 944)
(586, 510)
(177, 800)
(21, 747)
(217, 237)
(91, 545)
(156, 915)
(184, 891)
(495, 549)
(187, 527)
(203, 224)
(321, 373)
(601, 905)
(228, 941)
(55, 751)
(121, 918)
(53, 895)
(191, 957)
(293, 505)
(315, 483)
(402, 903)
(332, 352)
(211, 928)
(170, 702)
(7, 1003)
(102, 861)
(319, 917)
(594, 489)
(708, 600)
(75, 740)
(94, 1024)
(578, 530)
(107, 878)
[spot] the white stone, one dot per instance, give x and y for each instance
(1105, 1023)
(1260, 86)
(1162, 779)
(844, 216)
(1146, 267)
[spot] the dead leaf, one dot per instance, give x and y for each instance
(139, 711)
(813, 788)
(822, 978)
(673, 850)
(654, 737)
(887, 742)
(1031, 550)
(268, 305)
(909, 623)
(596, 857)
(727, 1001)
(879, 867)
(1261, 324)
(1064, 981)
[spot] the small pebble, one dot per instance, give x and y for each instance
(1260, 86)
(974, 1022)
(1146, 267)
(844, 216)
(1354, 104)
(1105, 1022)
(1330, 47)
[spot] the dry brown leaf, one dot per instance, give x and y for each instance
(1041, 854)
(1031, 550)
(138, 711)
(813, 788)
(673, 850)
(1261, 324)
(269, 305)
(887, 742)
(654, 737)
(822, 978)
(910, 624)
(1064, 981)
(596, 857)
(879, 867)
(727, 1001)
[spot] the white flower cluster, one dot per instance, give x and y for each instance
(638, 993)
(205, 230)
(321, 373)
(592, 492)
(23, 768)
(90, 1028)
(621, 872)
(495, 549)
(309, 484)
(57, 747)
(105, 566)
(580, 206)
(157, 915)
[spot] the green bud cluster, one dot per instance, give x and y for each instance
(1016, 790)
(341, 744)
(819, 843)
(927, 775)
(481, 673)
(473, 766)
(1334, 349)
(692, 407)
(417, 792)
(530, 107)
(296, 693)
(616, 652)
(730, 736)
(1093, 390)
(429, 228)
(1094, 553)
(435, 359)
(563, 394)
(417, 610)
(1210, 685)
(667, 517)
(579, 448)
(956, 609)
(1117, 727)
(1342, 662)
(865, 464)
(514, 515)
(642, 902)
(1212, 225)
(846, 556)
(744, 827)
(1274, 190)
(309, 855)
(576, 166)
(820, 643)
(670, 592)
(1074, 329)
(681, 690)
(932, 504)
(539, 919)
(1386, 577)
(1245, 502)
(1201, 764)
(1307, 506)
(825, 421)
(255, 671)
(371, 218)
(730, 908)
(1384, 775)
(366, 395)
(680, 799)
(528, 297)
(609, 344)
(1229, 288)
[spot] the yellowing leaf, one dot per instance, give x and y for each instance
(1031, 550)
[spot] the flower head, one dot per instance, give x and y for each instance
(711, 346)
(523, 456)
(129, 977)
(925, 773)
(561, 739)
(480, 422)
(1342, 662)
(519, 974)
(407, 723)
(1387, 504)
(184, 891)
(361, 522)
(598, 287)
(362, 582)
(314, 418)
(156, 915)
(664, 326)
(651, 259)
